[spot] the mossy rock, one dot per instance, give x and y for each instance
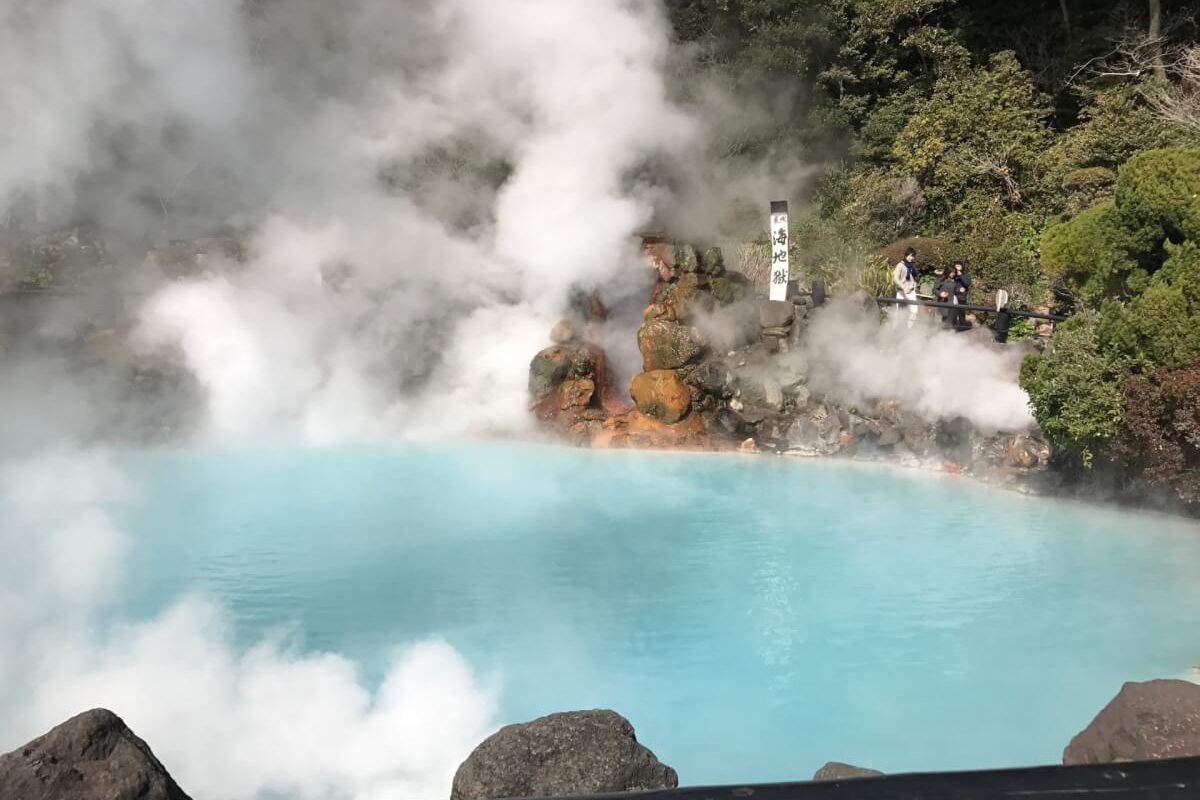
(661, 395)
(712, 261)
(667, 345)
(681, 298)
(552, 366)
(729, 287)
(686, 258)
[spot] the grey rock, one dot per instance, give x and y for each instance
(773, 395)
(93, 756)
(564, 332)
(761, 393)
(792, 369)
(775, 314)
(837, 771)
(1150, 720)
(712, 261)
(806, 436)
(889, 435)
(572, 753)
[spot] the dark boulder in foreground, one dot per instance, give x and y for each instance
(837, 771)
(93, 756)
(1151, 720)
(573, 753)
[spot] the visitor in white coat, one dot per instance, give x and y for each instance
(905, 278)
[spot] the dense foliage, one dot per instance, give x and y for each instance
(1030, 138)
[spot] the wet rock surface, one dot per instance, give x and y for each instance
(1145, 721)
(93, 756)
(571, 753)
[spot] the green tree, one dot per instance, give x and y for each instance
(981, 130)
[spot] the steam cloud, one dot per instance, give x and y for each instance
(935, 372)
(417, 185)
(271, 720)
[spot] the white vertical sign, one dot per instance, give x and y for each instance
(780, 270)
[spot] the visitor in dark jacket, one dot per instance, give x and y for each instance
(962, 287)
(943, 292)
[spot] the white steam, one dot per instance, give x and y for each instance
(286, 120)
(272, 720)
(934, 372)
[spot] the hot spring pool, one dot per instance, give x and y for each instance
(754, 618)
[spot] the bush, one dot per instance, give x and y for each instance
(1161, 326)
(1115, 123)
(1159, 190)
(1160, 436)
(880, 206)
(996, 247)
(1085, 187)
(1095, 252)
(1074, 387)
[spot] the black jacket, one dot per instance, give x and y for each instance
(947, 285)
(962, 286)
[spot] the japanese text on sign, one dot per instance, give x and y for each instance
(780, 271)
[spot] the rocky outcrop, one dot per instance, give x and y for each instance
(725, 371)
(1151, 720)
(93, 756)
(572, 392)
(572, 753)
(660, 394)
(837, 771)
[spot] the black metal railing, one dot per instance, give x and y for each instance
(1172, 779)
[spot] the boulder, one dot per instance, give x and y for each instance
(712, 261)
(667, 345)
(686, 258)
(93, 756)
(762, 392)
(564, 332)
(837, 771)
(682, 298)
(556, 364)
(729, 287)
(1151, 720)
(662, 395)
(573, 753)
(1022, 452)
(709, 377)
(775, 313)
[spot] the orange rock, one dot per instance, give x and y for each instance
(661, 394)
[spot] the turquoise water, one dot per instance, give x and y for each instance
(753, 617)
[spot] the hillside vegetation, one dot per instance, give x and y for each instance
(1055, 146)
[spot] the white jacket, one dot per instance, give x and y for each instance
(901, 279)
